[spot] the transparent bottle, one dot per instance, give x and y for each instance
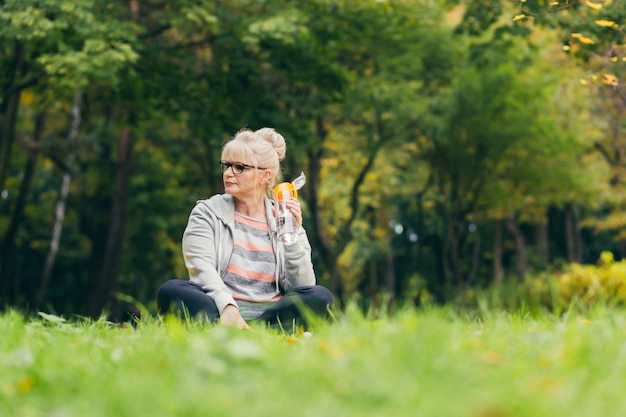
(285, 222)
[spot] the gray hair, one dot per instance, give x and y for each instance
(264, 148)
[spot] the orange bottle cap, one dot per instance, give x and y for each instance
(281, 189)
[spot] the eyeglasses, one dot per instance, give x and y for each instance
(238, 167)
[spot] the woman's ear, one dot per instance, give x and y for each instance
(265, 177)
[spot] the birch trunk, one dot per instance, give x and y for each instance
(59, 213)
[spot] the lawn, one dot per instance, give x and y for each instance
(425, 362)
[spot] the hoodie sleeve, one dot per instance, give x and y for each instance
(298, 264)
(200, 252)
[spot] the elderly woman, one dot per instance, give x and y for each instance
(238, 269)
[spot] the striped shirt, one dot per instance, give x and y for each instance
(250, 275)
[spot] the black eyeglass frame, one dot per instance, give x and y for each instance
(237, 167)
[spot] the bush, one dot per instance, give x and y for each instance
(587, 285)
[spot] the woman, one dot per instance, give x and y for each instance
(238, 270)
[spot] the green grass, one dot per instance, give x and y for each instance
(431, 362)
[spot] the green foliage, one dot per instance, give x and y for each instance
(72, 42)
(424, 123)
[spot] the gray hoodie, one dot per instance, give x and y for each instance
(208, 244)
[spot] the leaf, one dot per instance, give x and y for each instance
(594, 6)
(519, 17)
(610, 79)
(582, 39)
(51, 317)
(606, 23)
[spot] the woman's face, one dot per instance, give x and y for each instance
(242, 179)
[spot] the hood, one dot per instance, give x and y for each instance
(222, 206)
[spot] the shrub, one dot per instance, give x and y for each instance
(604, 283)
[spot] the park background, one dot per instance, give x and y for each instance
(450, 147)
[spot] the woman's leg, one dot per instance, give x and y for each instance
(312, 298)
(179, 296)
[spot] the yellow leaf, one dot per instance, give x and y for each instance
(586, 40)
(594, 5)
(606, 23)
(583, 81)
(492, 357)
(26, 97)
(610, 79)
(519, 17)
(582, 39)
(554, 3)
(25, 384)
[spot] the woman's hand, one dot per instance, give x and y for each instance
(294, 207)
(230, 317)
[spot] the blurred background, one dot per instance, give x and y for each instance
(449, 146)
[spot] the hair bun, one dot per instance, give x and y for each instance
(275, 139)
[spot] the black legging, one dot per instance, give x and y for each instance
(188, 296)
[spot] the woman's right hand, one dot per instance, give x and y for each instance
(230, 317)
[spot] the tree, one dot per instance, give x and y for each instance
(594, 34)
(52, 48)
(493, 135)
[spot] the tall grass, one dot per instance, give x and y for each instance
(427, 362)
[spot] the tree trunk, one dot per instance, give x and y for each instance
(622, 249)
(390, 275)
(9, 288)
(520, 248)
(59, 213)
(327, 255)
(498, 270)
(311, 194)
(7, 135)
(475, 257)
(543, 250)
(372, 277)
(8, 112)
(106, 280)
(572, 235)
(453, 246)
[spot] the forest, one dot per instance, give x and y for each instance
(447, 144)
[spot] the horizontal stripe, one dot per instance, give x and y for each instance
(250, 290)
(250, 233)
(257, 266)
(251, 275)
(253, 246)
(244, 298)
(242, 256)
(252, 223)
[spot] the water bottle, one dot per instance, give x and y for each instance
(285, 222)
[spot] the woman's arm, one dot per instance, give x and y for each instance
(200, 252)
(298, 264)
